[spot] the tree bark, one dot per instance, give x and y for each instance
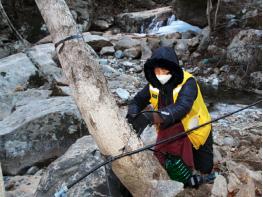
(2, 188)
(141, 173)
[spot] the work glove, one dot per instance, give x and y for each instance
(140, 122)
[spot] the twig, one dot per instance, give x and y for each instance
(11, 26)
(216, 13)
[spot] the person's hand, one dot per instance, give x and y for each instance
(141, 122)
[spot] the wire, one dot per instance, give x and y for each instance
(147, 147)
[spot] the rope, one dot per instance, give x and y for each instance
(147, 147)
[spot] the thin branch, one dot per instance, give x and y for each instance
(216, 13)
(208, 13)
(11, 26)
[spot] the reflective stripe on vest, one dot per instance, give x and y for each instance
(198, 114)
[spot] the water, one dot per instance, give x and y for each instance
(171, 25)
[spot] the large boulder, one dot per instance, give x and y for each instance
(10, 101)
(38, 131)
(97, 42)
(15, 71)
(79, 158)
(45, 58)
(136, 22)
(193, 12)
(127, 43)
(245, 50)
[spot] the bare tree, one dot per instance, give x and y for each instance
(141, 174)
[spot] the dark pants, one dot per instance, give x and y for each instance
(203, 157)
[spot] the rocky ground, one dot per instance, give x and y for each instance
(44, 141)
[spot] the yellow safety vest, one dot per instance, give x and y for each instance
(198, 114)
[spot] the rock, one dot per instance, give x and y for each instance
(247, 190)
(103, 61)
(242, 172)
(84, 10)
(181, 49)
(229, 141)
(252, 19)
(133, 52)
(245, 50)
(167, 42)
(32, 170)
(153, 43)
(21, 186)
(15, 70)
(10, 101)
(107, 50)
(255, 80)
(188, 34)
(193, 12)
(22, 133)
(79, 158)
(145, 49)
(119, 54)
(144, 4)
(44, 56)
(220, 187)
(100, 25)
(123, 94)
(127, 43)
(193, 44)
(225, 68)
(97, 42)
(217, 155)
(138, 22)
(205, 40)
(233, 183)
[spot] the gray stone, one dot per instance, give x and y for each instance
(220, 187)
(181, 49)
(146, 51)
(119, 54)
(15, 70)
(233, 182)
(79, 158)
(193, 43)
(107, 50)
(38, 131)
(255, 80)
(136, 22)
(153, 43)
(193, 12)
(103, 61)
(217, 155)
(123, 94)
(247, 190)
(245, 50)
(32, 170)
(133, 52)
(127, 43)
(84, 10)
(44, 57)
(97, 42)
(10, 101)
(100, 25)
(229, 141)
(21, 186)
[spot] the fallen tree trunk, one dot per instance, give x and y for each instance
(141, 174)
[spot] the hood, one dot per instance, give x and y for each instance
(164, 57)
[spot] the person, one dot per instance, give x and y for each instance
(176, 97)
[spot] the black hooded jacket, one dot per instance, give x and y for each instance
(165, 57)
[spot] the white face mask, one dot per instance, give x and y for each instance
(164, 78)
